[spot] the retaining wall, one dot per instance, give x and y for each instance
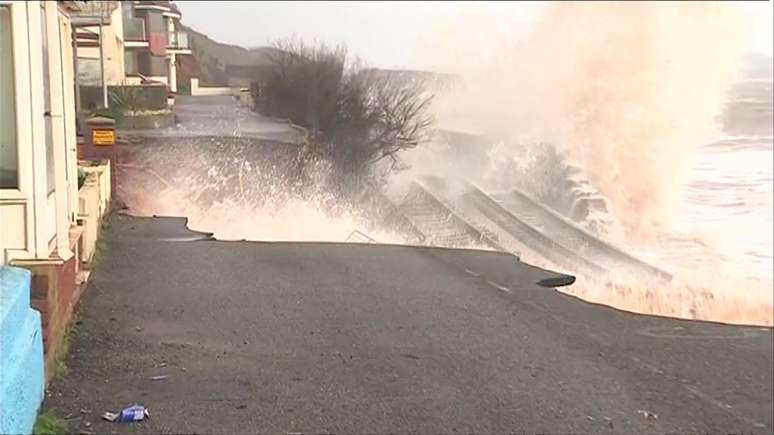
(93, 203)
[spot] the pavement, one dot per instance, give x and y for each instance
(222, 116)
(328, 337)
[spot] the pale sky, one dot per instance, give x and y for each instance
(382, 33)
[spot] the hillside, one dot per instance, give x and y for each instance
(219, 64)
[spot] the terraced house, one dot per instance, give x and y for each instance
(39, 229)
(153, 41)
(127, 43)
(51, 204)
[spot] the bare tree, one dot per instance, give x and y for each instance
(356, 116)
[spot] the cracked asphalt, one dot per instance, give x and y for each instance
(327, 337)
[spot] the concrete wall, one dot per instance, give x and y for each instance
(93, 203)
(21, 353)
(196, 90)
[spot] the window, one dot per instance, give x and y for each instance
(9, 160)
(141, 61)
(134, 28)
(130, 62)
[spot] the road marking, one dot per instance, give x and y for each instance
(186, 238)
(676, 332)
(471, 273)
(704, 396)
(725, 407)
(498, 286)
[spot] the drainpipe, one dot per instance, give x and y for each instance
(102, 67)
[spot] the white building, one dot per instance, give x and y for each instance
(153, 41)
(138, 42)
(38, 167)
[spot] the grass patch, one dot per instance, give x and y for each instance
(48, 423)
(99, 254)
(81, 177)
(64, 347)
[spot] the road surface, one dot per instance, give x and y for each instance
(326, 337)
(221, 116)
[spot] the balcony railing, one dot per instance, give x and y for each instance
(177, 40)
(134, 29)
(91, 9)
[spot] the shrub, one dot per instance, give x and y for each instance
(356, 116)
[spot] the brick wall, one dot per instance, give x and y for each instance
(54, 293)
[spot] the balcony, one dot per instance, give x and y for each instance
(177, 40)
(134, 29)
(94, 10)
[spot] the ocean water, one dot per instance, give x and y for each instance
(723, 226)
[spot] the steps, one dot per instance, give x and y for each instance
(439, 224)
(569, 235)
(456, 213)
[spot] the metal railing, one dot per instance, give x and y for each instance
(95, 9)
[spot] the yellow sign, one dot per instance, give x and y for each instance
(103, 137)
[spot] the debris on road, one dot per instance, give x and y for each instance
(648, 414)
(159, 377)
(128, 415)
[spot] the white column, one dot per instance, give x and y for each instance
(58, 130)
(102, 65)
(172, 73)
(68, 82)
(39, 222)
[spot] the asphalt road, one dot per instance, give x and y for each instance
(221, 116)
(323, 337)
